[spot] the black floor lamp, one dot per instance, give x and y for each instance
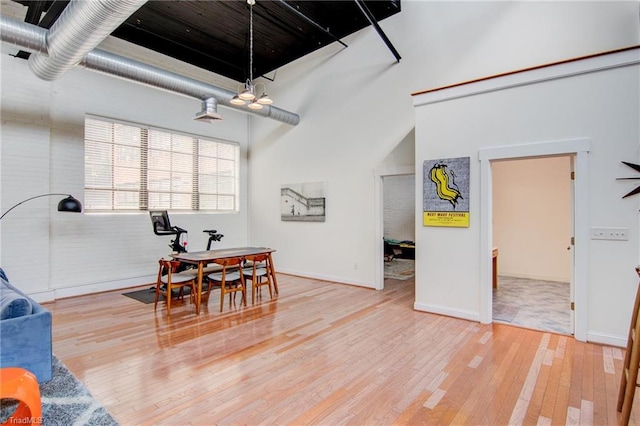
(69, 204)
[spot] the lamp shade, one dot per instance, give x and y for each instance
(236, 100)
(265, 99)
(69, 204)
(247, 94)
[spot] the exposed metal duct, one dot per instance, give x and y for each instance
(29, 37)
(33, 38)
(209, 111)
(112, 64)
(79, 29)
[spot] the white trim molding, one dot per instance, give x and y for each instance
(442, 310)
(564, 69)
(378, 175)
(580, 149)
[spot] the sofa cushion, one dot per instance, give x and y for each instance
(12, 303)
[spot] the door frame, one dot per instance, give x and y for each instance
(579, 148)
(379, 175)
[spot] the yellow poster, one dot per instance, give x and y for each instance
(453, 219)
(446, 192)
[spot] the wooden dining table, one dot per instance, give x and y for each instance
(205, 257)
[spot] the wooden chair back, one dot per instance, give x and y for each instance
(225, 285)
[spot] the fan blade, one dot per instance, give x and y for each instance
(634, 192)
(635, 167)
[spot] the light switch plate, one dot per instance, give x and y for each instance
(618, 234)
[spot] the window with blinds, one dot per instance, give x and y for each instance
(130, 167)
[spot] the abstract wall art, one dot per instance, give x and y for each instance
(446, 192)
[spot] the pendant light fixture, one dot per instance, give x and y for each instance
(248, 93)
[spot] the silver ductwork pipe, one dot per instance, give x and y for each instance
(79, 29)
(33, 39)
(112, 64)
(28, 37)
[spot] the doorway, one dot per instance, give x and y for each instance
(579, 148)
(398, 218)
(380, 176)
(532, 229)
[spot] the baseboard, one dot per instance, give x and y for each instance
(83, 289)
(331, 278)
(607, 339)
(533, 277)
(42, 296)
(440, 310)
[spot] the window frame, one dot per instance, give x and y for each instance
(224, 181)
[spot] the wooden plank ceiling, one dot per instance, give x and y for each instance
(214, 34)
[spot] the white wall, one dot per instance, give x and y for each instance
(50, 254)
(602, 107)
(532, 217)
(355, 107)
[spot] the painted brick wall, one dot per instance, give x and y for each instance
(399, 207)
(50, 254)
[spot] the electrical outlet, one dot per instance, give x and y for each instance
(618, 234)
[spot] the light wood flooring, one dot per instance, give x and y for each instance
(328, 354)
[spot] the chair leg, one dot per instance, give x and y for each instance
(244, 294)
(155, 303)
(269, 284)
(231, 290)
(208, 293)
(168, 297)
(222, 285)
(243, 283)
(253, 291)
(255, 287)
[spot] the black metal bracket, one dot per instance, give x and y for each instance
(367, 13)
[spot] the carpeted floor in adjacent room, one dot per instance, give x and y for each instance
(400, 269)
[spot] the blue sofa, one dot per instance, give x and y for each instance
(25, 332)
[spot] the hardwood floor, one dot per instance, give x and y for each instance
(326, 353)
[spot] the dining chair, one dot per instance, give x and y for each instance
(230, 279)
(169, 279)
(259, 274)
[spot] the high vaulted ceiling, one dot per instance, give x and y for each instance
(214, 34)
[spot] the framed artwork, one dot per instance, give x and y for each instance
(303, 202)
(445, 192)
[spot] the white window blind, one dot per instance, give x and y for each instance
(130, 167)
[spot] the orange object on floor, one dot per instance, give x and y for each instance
(21, 385)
